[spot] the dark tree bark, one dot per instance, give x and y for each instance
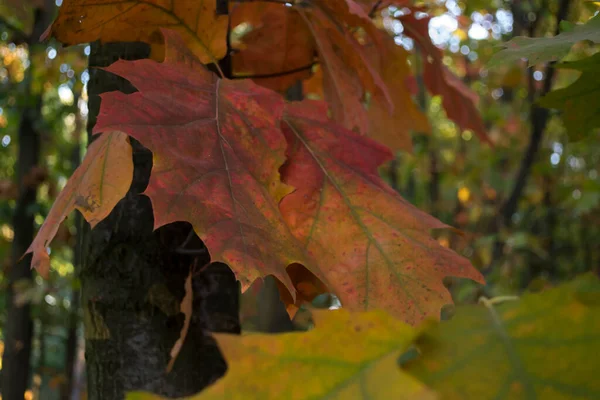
(272, 314)
(133, 282)
(71, 346)
(19, 326)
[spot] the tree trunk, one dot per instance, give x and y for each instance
(133, 282)
(71, 346)
(19, 326)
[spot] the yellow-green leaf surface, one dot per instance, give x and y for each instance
(94, 189)
(543, 49)
(205, 32)
(543, 346)
(578, 101)
(346, 357)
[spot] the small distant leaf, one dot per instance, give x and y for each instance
(542, 346)
(374, 248)
(459, 101)
(539, 50)
(346, 357)
(578, 101)
(348, 73)
(94, 189)
(82, 21)
(342, 87)
(393, 128)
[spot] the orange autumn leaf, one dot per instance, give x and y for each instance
(82, 21)
(307, 286)
(393, 128)
(340, 20)
(286, 39)
(278, 44)
(347, 71)
(374, 245)
(94, 189)
(342, 88)
(217, 149)
(313, 86)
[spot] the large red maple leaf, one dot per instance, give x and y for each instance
(217, 148)
(376, 247)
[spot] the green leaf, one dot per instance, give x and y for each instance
(539, 50)
(347, 357)
(578, 101)
(543, 346)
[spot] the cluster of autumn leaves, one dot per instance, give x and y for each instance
(267, 185)
(290, 189)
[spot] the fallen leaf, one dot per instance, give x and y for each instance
(94, 189)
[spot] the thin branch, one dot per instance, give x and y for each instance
(276, 74)
(539, 120)
(374, 9)
(192, 252)
(18, 35)
(282, 2)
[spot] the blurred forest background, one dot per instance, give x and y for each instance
(528, 205)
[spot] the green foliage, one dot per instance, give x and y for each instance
(579, 101)
(540, 346)
(543, 49)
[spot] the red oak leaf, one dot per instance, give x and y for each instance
(375, 245)
(217, 148)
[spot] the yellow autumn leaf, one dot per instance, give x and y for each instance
(94, 189)
(538, 347)
(82, 21)
(347, 356)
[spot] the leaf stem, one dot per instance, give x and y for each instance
(276, 74)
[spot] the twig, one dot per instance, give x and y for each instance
(276, 74)
(539, 120)
(191, 252)
(374, 9)
(18, 35)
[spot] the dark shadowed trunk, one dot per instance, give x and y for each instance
(133, 282)
(272, 314)
(71, 347)
(19, 326)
